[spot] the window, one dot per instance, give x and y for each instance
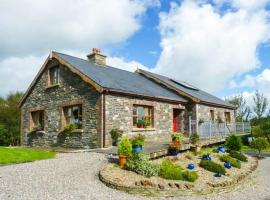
(212, 115)
(142, 116)
(54, 75)
(227, 117)
(37, 120)
(73, 115)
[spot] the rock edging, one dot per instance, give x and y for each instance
(174, 188)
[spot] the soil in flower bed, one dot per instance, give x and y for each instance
(115, 177)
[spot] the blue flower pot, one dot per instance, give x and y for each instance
(227, 165)
(174, 152)
(136, 149)
(221, 150)
(191, 166)
(218, 174)
(206, 157)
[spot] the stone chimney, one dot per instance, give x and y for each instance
(97, 57)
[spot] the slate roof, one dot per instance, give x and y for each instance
(121, 80)
(191, 90)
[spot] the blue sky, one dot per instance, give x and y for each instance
(221, 46)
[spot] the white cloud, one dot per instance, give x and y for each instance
(29, 26)
(16, 74)
(121, 63)
(208, 49)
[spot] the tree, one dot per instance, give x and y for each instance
(259, 144)
(260, 104)
(243, 111)
(265, 130)
(9, 119)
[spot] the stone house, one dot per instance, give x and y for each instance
(96, 98)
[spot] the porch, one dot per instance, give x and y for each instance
(210, 133)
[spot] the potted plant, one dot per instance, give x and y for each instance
(137, 143)
(194, 139)
(124, 149)
(174, 148)
(140, 123)
(115, 135)
(176, 136)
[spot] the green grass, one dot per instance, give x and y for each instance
(248, 148)
(20, 155)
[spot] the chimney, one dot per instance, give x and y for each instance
(97, 57)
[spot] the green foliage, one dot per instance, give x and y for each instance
(171, 171)
(259, 144)
(238, 156)
(124, 147)
(243, 110)
(20, 155)
(190, 176)
(9, 119)
(229, 159)
(116, 133)
(260, 104)
(212, 166)
(233, 143)
(140, 164)
(265, 130)
(4, 135)
(138, 140)
(144, 123)
(70, 127)
(194, 138)
(176, 136)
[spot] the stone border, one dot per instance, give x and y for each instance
(147, 188)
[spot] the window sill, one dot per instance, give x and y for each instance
(142, 129)
(77, 131)
(52, 86)
(42, 132)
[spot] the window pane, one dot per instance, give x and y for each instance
(73, 115)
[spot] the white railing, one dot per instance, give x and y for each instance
(212, 129)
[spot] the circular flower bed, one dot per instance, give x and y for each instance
(191, 181)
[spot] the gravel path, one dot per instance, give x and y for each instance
(74, 176)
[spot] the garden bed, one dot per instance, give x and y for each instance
(131, 182)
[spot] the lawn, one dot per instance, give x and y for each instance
(248, 148)
(20, 155)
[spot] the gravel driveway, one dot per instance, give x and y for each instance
(74, 176)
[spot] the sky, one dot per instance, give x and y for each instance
(220, 46)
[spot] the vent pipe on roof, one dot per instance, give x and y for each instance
(97, 57)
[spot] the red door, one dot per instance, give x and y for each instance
(176, 120)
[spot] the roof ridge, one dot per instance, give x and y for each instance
(132, 72)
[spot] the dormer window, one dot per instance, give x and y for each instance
(54, 75)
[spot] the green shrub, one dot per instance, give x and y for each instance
(238, 155)
(124, 147)
(229, 159)
(259, 144)
(70, 127)
(190, 176)
(194, 138)
(116, 133)
(233, 143)
(171, 171)
(140, 164)
(212, 166)
(176, 136)
(138, 140)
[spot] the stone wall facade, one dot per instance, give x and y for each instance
(119, 115)
(70, 91)
(203, 112)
